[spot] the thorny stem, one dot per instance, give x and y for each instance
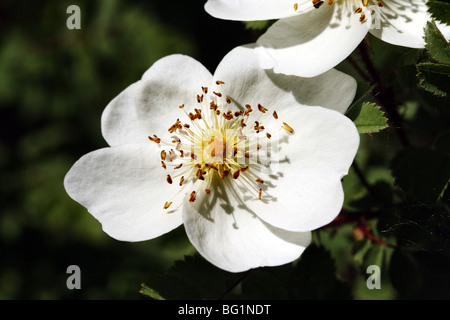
(382, 93)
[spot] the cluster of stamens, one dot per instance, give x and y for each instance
(217, 142)
(359, 10)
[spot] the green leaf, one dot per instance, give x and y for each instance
(434, 77)
(436, 44)
(440, 10)
(149, 292)
(367, 117)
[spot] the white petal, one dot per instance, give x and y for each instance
(151, 105)
(247, 10)
(125, 188)
(233, 238)
(401, 22)
(302, 189)
(252, 85)
(311, 43)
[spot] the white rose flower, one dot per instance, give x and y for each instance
(313, 36)
(249, 161)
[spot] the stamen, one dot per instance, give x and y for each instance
(169, 179)
(362, 18)
(260, 193)
(262, 109)
(205, 90)
(236, 174)
(217, 94)
(181, 180)
(380, 3)
(163, 155)
(317, 3)
(163, 164)
(295, 6)
(365, 2)
(275, 115)
(179, 166)
(167, 205)
(219, 82)
(154, 139)
(287, 127)
(260, 181)
(268, 135)
(208, 191)
(192, 197)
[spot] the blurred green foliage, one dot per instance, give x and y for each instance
(54, 85)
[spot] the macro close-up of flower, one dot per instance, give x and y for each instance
(247, 160)
(311, 37)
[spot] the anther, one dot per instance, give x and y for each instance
(359, 10)
(245, 169)
(205, 90)
(207, 191)
(181, 107)
(167, 205)
(317, 3)
(236, 174)
(169, 179)
(262, 109)
(179, 166)
(362, 18)
(219, 82)
(181, 180)
(260, 181)
(260, 193)
(228, 99)
(365, 2)
(163, 164)
(217, 94)
(380, 3)
(163, 155)
(275, 115)
(192, 196)
(154, 139)
(287, 127)
(268, 135)
(330, 2)
(295, 6)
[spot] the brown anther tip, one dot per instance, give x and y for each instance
(245, 169)
(295, 6)
(260, 181)
(163, 164)
(275, 115)
(260, 193)
(362, 19)
(154, 139)
(287, 127)
(365, 2)
(167, 205)
(169, 179)
(181, 180)
(228, 100)
(192, 197)
(317, 3)
(208, 191)
(262, 109)
(178, 166)
(205, 90)
(236, 174)
(268, 135)
(163, 155)
(217, 94)
(218, 82)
